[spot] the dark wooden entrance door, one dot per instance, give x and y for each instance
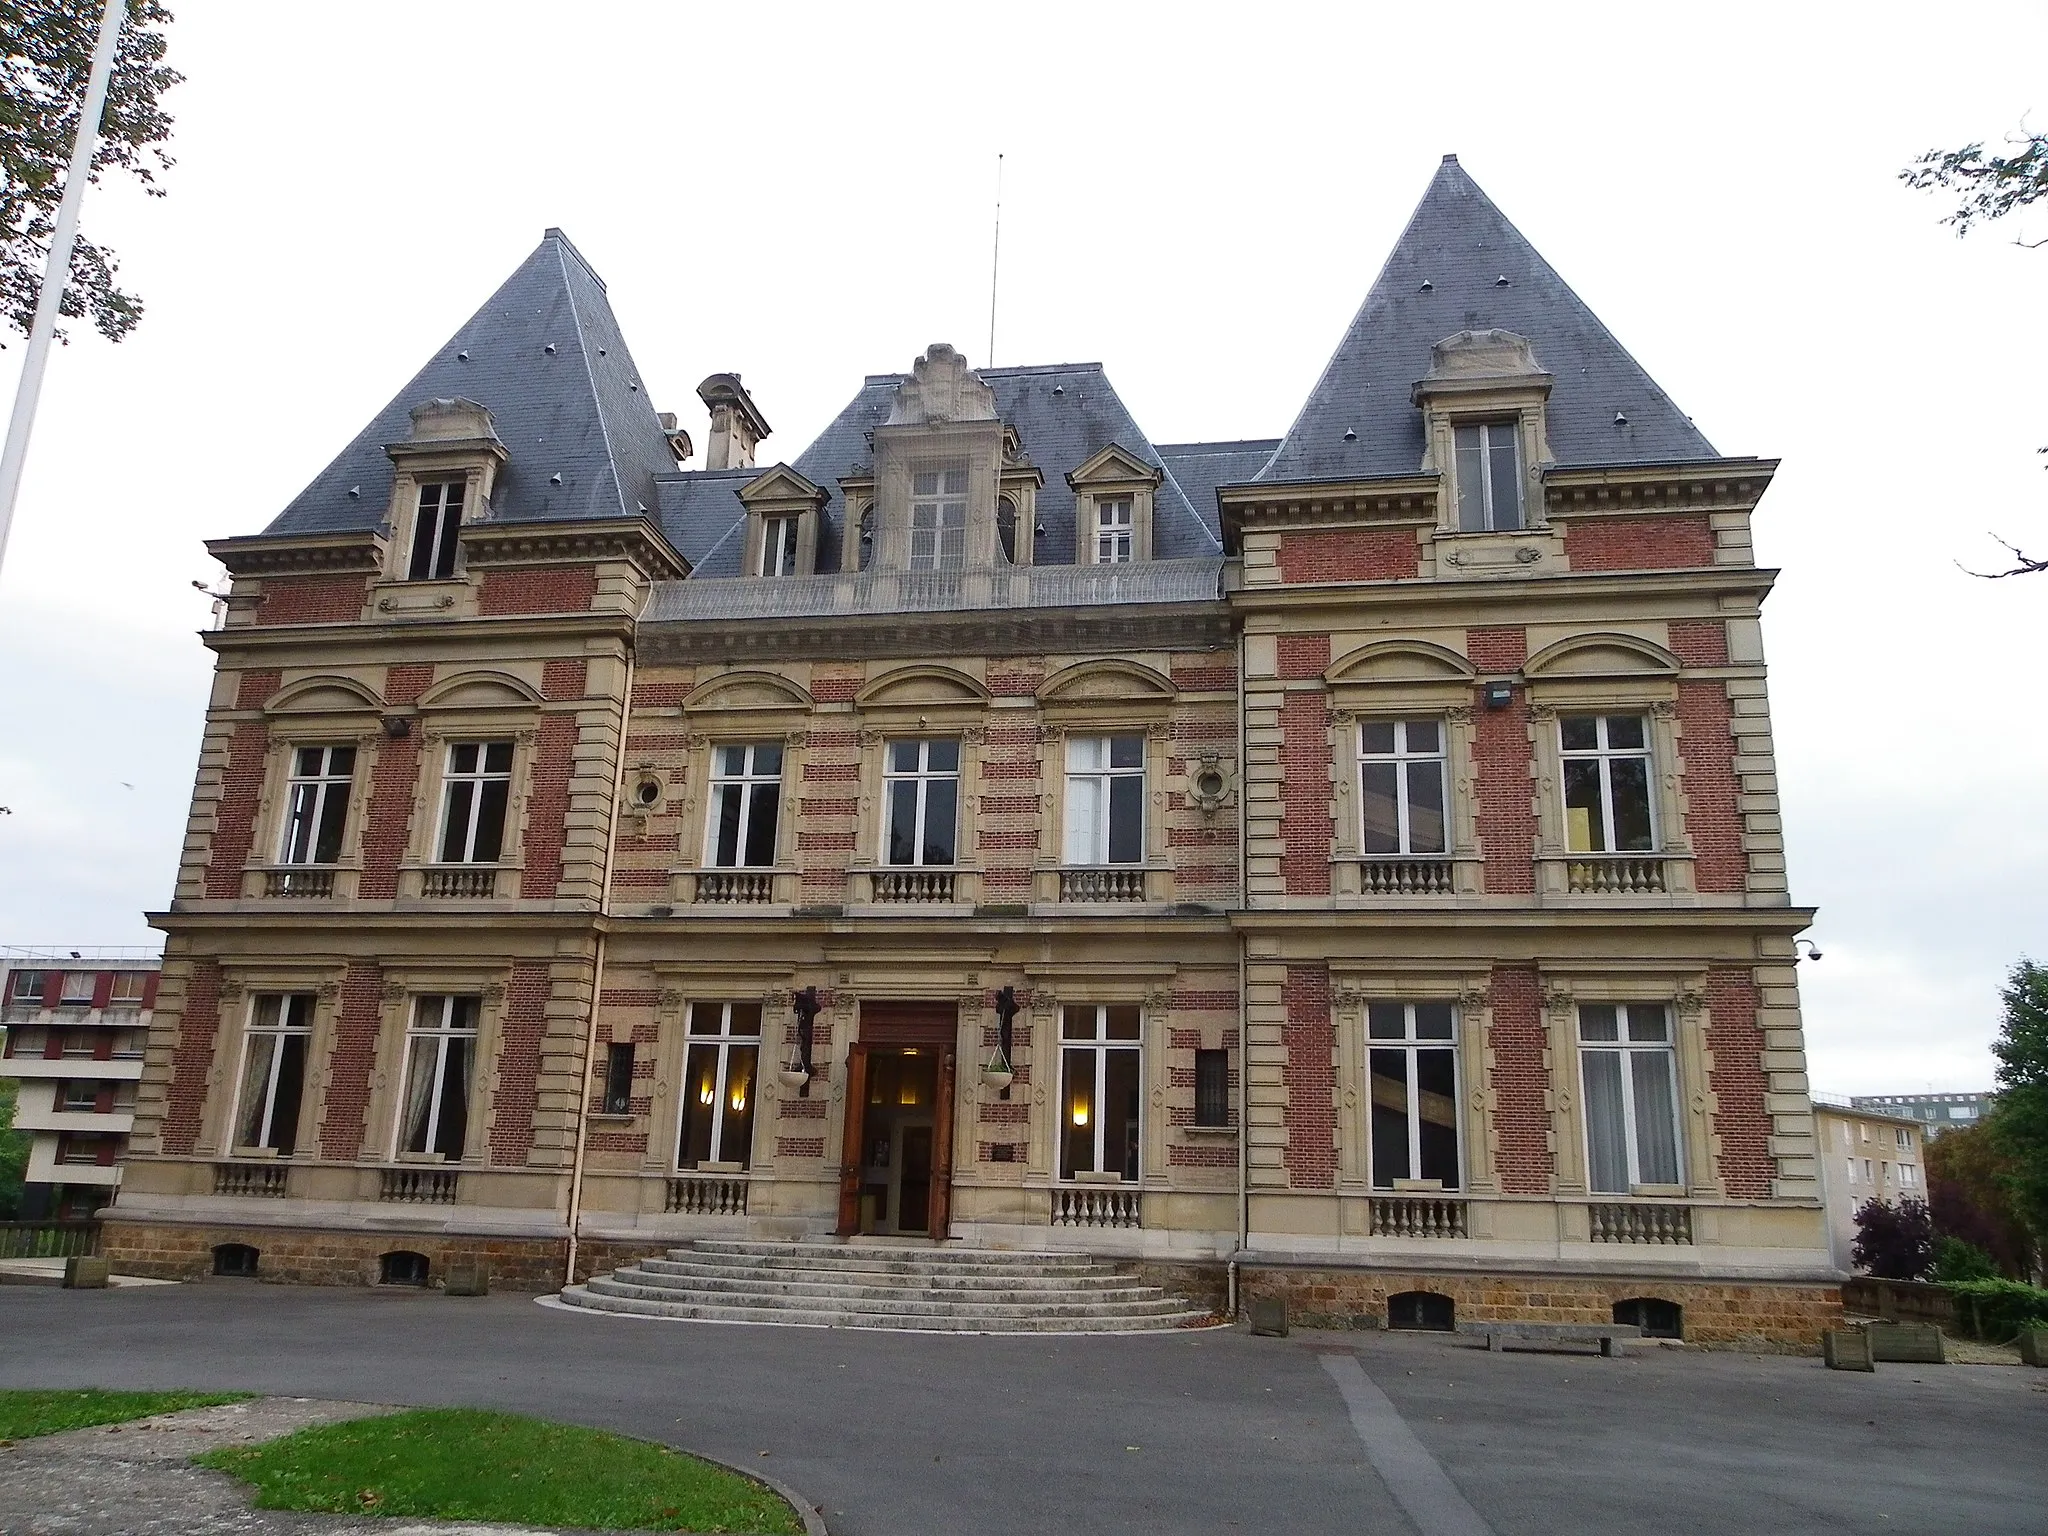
(894, 1026)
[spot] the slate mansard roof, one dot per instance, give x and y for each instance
(545, 356)
(1444, 276)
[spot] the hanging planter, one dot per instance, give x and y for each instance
(794, 1076)
(996, 1073)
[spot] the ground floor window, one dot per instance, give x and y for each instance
(440, 1058)
(1412, 1059)
(273, 1073)
(718, 1084)
(1631, 1096)
(1100, 1055)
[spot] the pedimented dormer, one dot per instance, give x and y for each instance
(938, 463)
(446, 472)
(1484, 429)
(783, 510)
(1113, 497)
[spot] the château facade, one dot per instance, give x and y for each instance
(1346, 866)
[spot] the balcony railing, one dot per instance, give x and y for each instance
(1405, 877)
(1102, 883)
(745, 886)
(299, 882)
(1417, 1216)
(255, 1179)
(706, 1194)
(418, 1186)
(914, 885)
(447, 884)
(1614, 875)
(1097, 1206)
(1658, 1225)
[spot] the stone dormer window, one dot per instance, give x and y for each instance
(1113, 497)
(1113, 531)
(436, 521)
(939, 461)
(445, 474)
(938, 518)
(778, 546)
(1485, 430)
(783, 508)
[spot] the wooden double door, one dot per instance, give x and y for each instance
(889, 1149)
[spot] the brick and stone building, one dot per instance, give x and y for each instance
(1348, 864)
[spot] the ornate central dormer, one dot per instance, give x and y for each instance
(938, 463)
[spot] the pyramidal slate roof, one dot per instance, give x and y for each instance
(544, 355)
(1064, 413)
(1444, 276)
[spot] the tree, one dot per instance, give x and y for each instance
(1894, 1242)
(14, 1148)
(1989, 187)
(1968, 1179)
(45, 55)
(2020, 1127)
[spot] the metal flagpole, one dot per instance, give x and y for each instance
(995, 261)
(62, 239)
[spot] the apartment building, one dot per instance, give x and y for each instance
(1348, 863)
(1866, 1154)
(74, 1022)
(1936, 1112)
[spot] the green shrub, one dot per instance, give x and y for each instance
(1956, 1260)
(1998, 1310)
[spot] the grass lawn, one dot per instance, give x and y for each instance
(24, 1414)
(466, 1464)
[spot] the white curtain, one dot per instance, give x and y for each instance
(1656, 1117)
(1606, 1123)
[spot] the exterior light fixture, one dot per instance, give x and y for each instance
(397, 727)
(1811, 952)
(1499, 695)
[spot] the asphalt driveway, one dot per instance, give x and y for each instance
(899, 1435)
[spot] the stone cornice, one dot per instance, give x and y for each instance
(1399, 501)
(622, 538)
(412, 641)
(1632, 490)
(1497, 591)
(358, 551)
(989, 632)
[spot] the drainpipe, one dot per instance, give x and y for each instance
(604, 905)
(1244, 1071)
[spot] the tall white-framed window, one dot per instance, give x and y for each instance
(273, 1078)
(436, 523)
(778, 546)
(1412, 1062)
(921, 780)
(316, 805)
(1631, 1096)
(474, 798)
(938, 519)
(1489, 468)
(1113, 532)
(1608, 805)
(746, 797)
(718, 1084)
(1105, 805)
(1401, 787)
(1101, 1077)
(440, 1059)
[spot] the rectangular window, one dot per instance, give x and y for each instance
(921, 780)
(1100, 1053)
(1607, 784)
(1212, 1087)
(1907, 1175)
(440, 1054)
(1868, 1176)
(938, 519)
(1401, 787)
(1113, 532)
(434, 530)
(78, 987)
(778, 546)
(718, 1084)
(1852, 1170)
(746, 795)
(273, 1081)
(1105, 800)
(618, 1079)
(29, 988)
(78, 1096)
(1489, 476)
(474, 803)
(316, 808)
(1902, 1137)
(1412, 1059)
(129, 988)
(1631, 1096)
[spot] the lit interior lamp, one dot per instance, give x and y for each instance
(739, 1097)
(1080, 1112)
(706, 1093)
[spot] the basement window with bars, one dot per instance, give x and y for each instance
(746, 797)
(718, 1085)
(316, 806)
(440, 1055)
(1401, 787)
(1607, 800)
(1489, 473)
(618, 1079)
(272, 1084)
(436, 523)
(478, 791)
(1212, 1088)
(1412, 1063)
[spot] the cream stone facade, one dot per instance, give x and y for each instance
(1346, 866)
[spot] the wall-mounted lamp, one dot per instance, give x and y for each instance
(396, 726)
(1498, 695)
(1811, 952)
(1006, 1020)
(807, 1006)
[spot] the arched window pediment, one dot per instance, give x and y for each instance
(1095, 681)
(323, 696)
(1400, 661)
(1601, 655)
(481, 690)
(746, 690)
(922, 685)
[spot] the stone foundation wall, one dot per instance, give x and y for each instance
(1205, 1285)
(1782, 1319)
(302, 1256)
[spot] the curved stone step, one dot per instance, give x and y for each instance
(899, 1260)
(627, 1283)
(954, 1322)
(965, 1286)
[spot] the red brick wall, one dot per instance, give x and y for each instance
(519, 1039)
(1306, 830)
(1302, 656)
(1204, 675)
(1521, 1082)
(1713, 816)
(350, 1063)
(312, 600)
(1700, 642)
(1006, 831)
(405, 684)
(537, 589)
(192, 1059)
(547, 806)
(561, 680)
(1501, 764)
(1742, 1123)
(1659, 542)
(1310, 1078)
(393, 778)
(1348, 554)
(234, 818)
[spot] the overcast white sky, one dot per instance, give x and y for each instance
(1198, 196)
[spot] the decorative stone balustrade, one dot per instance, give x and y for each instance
(298, 882)
(257, 1179)
(1102, 883)
(1417, 1216)
(418, 1186)
(455, 884)
(1614, 875)
(1098, 1205)
(1660, 1225)
(1405, 877)
(914, 885)
(703, 1194)
(745, 886)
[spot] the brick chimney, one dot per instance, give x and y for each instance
(737, 424)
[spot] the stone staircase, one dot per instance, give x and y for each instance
(881, 1285)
